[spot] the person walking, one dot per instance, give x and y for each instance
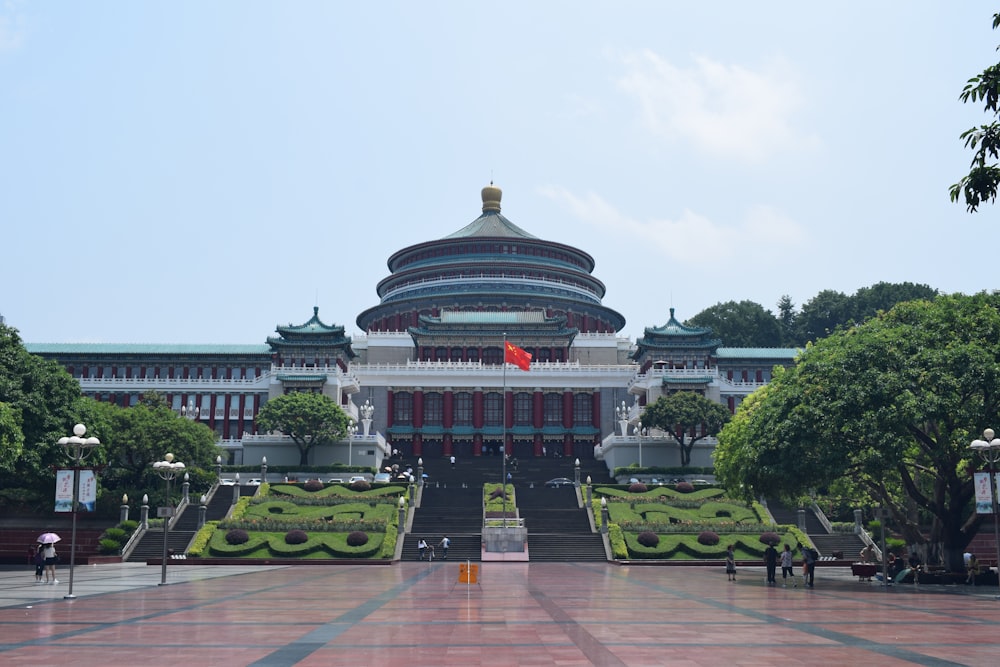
(730, 563)
(811, 556)
(51, 558)
(445, 543)
(786, 567)
(972, 568)
(39, 561)
(422, 547)
(771, 563)
(452, 462)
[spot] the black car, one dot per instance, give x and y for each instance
(559, 481)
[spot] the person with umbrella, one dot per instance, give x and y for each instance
(48, 541)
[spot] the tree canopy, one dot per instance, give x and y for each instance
(741, 324)
(892, 404)
(308, 419)
(980, 184)
(38, 399)
(688, 417)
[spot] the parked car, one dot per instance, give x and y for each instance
(355, 478)
(559, 481)
(383, 478)
(255, 481)
(333, 480)
(225, 482)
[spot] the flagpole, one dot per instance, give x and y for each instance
(503, 439)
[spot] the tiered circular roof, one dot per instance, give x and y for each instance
(491, 264)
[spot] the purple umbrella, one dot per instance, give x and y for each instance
(48, 538)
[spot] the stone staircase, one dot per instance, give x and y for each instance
(558, 529)
(451, 511)
(826, 543)
(150, 546)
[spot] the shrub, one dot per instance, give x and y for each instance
(357, 538)
(648, 538)
(684, 487)
(708, 538)
(296, 537)
(770, 538)
(237, 536)
(637, 487)
(313, 485)
(107, 546)
(360, 485)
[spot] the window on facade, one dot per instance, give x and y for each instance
(433, 409)
(456, 354)
(462, 406)
(493, 408)
(473, 354)
(402, 408)
(492, 356)
(553, 409)
(543, 354)
(425, 354)
(441, 353)
(522, 409)
(582, 409)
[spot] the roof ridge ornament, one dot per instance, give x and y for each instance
(491, 198)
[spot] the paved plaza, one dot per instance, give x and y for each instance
(411, 614)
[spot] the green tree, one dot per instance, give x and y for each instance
(133, 438)
(980, 184)
(41, 399)
(308, 419)
(821, 316)
(891, 404)
(681, 414)
(786, 318)
(867, 302)
(740, 324)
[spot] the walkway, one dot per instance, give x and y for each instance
(521, 614)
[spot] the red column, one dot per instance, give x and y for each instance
(446, 445)
(227, 402)
(418, 409)
(389, 404)
(418, 445)
(568, 444)
(477, 444)
(240, 422)
(595, 410)
(211, 413)
(567, 416)
(538, 444)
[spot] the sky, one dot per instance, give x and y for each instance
(202, 172)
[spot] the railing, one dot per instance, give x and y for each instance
(414, 285)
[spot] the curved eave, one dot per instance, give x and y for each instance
(586, 259)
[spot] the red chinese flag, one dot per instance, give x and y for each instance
(518, 357)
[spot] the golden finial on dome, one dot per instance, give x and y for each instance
(491, 198)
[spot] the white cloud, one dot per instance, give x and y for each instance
(13, 26)
(723, 110)
(762, 232)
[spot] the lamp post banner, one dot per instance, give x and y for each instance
(64, 490)
(984, 494)
(88, 490)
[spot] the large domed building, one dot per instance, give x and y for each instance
(428, 377)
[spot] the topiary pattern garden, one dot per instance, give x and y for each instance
(315, 521)
(684, 523)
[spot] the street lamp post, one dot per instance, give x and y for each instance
(989, 449)
(78, 448)
(263, 470)
(638, 434)
(352, 430)
(167, 469)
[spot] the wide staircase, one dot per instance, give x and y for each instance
(558, 530)
(451, 511)
(826, 543)
(150, 545)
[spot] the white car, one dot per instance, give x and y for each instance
(333, 480)
(254, 482)
(383, 478)
(226, 482)
(356, 478)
